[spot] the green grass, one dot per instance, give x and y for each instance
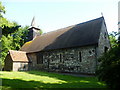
(38, 79)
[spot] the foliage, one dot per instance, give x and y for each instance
(41, 31)
(2, 9)
(38, 79)
(9, 30)
(113, 39)
(5, 22)
(14, 40)
(13, 35)
(109, 69)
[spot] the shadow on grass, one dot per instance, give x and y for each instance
(54, 75)
(70, 81)
(18, 83)
(62, 76)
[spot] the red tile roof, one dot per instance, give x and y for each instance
(18, 56)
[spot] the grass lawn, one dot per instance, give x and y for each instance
(38, 79)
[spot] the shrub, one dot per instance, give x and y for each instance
(109, 68)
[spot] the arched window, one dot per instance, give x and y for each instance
(80, 57)
(105, 49)
(105, 35)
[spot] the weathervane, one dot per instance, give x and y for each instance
(33, 22)
(101, 13)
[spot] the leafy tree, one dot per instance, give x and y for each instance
(13, 41)
(13, 35)
(113, 39)
(9, 30)
(2, 9)
(109, 68)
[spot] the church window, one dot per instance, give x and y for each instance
(105, 49)
(90, 52)
(60, 57)
(105, 35)
(93, 50)
(80, 57)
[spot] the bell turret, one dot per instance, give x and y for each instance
(33, 30)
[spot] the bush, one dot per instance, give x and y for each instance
(109, 68)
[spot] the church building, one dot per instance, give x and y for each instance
(73, 49)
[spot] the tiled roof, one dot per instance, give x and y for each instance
(18, 56)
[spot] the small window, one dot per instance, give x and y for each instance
(60, 57)
(80, 57)
(90, 52)
(105, 35)
(105, 49)
(93, 50)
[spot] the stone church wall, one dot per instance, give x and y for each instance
(80, 60)
(104, 42)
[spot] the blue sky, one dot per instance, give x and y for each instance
(55, 14)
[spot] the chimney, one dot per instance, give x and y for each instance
(33, 30)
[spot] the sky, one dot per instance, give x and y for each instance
(51, 15)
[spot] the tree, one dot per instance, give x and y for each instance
(14, 40)
(2, 9)
(113, 39)
(13, 35)
(109, 68)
